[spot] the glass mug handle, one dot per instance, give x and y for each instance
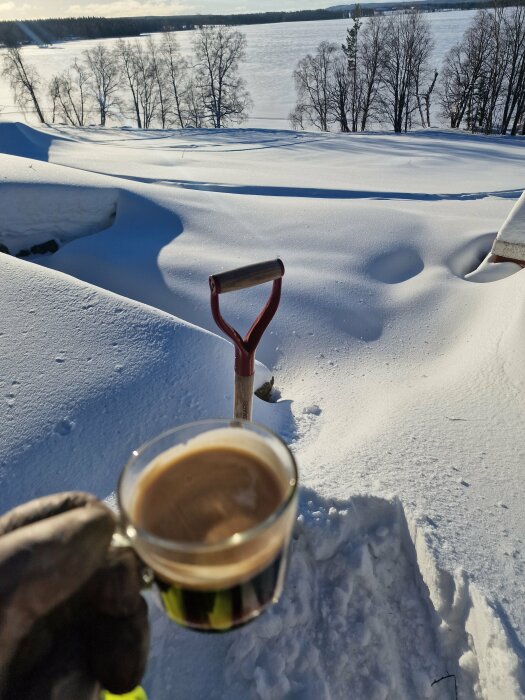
(121, 541)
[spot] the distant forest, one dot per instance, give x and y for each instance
(49, 31)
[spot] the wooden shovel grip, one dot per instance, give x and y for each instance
(249, 276)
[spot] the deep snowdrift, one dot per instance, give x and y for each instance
(42, 203)
(398, 378)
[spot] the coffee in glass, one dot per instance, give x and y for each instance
(210, 507)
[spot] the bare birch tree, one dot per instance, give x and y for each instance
(148, 86)
(483, 81)
(159, 72)
(513, 99)
(495, 72)
(69, 94)
(104, 79)
(195, 116)
(130, 76)
(340, 85)
(218, 52)
(342, 93)
(313, 79)
(423, 100)
(463, 71)
(54, 93)
(179, 85)
(408, 44)
(371, 60)
(24, 81)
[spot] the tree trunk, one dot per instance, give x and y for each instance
(37, 106)
(420, 109)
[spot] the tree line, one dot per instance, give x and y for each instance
(382, 75)
(483, 76)
(51, 30)
(150, 82)
(65, 28)
(379, 75)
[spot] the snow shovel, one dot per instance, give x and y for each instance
(231, 281)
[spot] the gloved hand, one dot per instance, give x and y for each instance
(72, 619)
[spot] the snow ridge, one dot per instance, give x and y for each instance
(354, 621)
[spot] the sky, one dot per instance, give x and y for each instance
(36, 9)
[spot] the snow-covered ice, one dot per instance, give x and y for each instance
(401, 382)
(268, 72)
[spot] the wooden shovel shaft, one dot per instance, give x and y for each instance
(242, 405)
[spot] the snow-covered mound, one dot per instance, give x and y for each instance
(18, 139)
(86, 376)
(400, 382)
(41, 202)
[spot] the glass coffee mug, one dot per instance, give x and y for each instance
(209, 507)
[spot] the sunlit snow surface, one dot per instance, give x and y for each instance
(401, 382)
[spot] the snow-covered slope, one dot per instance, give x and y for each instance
(401, 382)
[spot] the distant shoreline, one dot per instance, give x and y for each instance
(51, 31)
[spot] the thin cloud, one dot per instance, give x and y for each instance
(6, 9)
(10, 9)
(128, 8)
(13, 10)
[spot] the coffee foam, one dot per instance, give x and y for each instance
(234, 438)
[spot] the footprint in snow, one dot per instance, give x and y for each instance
(312, 410)
(395, 266)
(64, 427)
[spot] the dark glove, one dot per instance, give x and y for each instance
(71, 615)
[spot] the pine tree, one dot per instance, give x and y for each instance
(351, 50)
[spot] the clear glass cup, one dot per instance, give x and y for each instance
(214, 586)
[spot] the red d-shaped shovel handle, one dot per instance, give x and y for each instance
(242, 278)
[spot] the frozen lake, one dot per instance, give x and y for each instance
(273, 52)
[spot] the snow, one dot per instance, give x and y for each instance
(400, 382)
(510, 241)
(39, 204)
(489, 271)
